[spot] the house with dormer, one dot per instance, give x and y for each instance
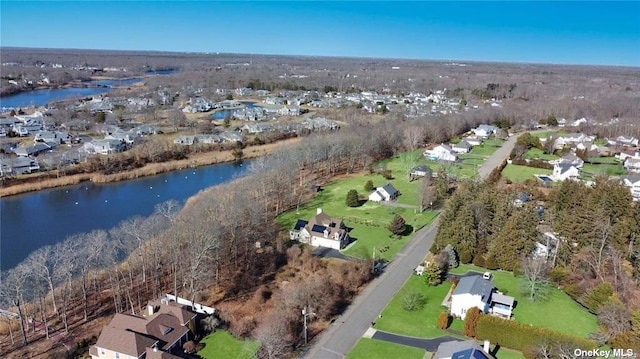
(159, 333)
(478, 291)
(565, 171)
(321, 231)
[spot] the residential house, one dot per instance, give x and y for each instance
(476, 291)
(485, 130)
(469, 349)
(474, 140)
(204, 139)
(103, 147)
(37, 148)
(572, 139)
(254, 128)
(622, 156)
(160, 333)
(461, 147)
(633, 183)
(571, 159)
(18, 166)
(321, 231)
(58, 137)
(627, 141)
(230, 136)
(565, 171)
(290, 111)
(185, 140)
(384, 193)
(632, 164)
(420, 171)
(441, 153)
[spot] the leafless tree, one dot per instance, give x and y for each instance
(274, 336)
(536, 281)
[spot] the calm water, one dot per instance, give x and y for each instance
(220, 115)
(32, 220)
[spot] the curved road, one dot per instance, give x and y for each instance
(344, 333)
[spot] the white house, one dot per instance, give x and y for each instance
(441, 153)
(565, 171)
(474, 140)
(384, 193)
(632, 164)
(420, 171)
(485, 130)
(103, 147)
(321, 231)
(633, 183)
(571, 159)
(627, 140)
(475, 291)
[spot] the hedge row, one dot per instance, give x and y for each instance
(514, 335)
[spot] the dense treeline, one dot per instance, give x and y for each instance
(595, 259)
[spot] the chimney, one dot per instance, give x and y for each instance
(318, 210)
(150, 309)
(486, 346)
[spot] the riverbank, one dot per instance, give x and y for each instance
(194, 160)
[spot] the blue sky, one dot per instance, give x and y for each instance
(599, 33)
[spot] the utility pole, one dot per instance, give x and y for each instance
(305, 314)
(373, 261)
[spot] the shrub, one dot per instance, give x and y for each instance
(558, 275)
(444, 320)
(397, 225)
(490, 263)
(478, 260)
(368, 186)
(598, 296)
(523, 337)
(352, 198)
(471, 322)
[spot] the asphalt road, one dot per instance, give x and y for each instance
(344, 333)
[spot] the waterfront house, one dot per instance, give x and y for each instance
(321, 231)
(103, 147)
(185, 140)
(159, 333)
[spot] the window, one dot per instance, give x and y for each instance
(117, 355)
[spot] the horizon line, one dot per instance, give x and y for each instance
(461, 61)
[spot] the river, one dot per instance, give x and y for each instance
(33, 220)
(42, 97)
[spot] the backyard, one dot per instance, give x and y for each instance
(368, 221)
(221, 344)
(559, 312)
(518, 173)
(538, 154)
(592, 170)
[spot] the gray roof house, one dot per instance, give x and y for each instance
(469, 349)
(461, 147)
(476, 291)
(384, 193)
(420, 171)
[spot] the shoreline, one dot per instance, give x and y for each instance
(151, 169)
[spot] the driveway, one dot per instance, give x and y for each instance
(325, 252)
(430, 345)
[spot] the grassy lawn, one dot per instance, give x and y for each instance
(376, 349)
(606, 160)
(517, 173)
(369, 221)
(487, 148)
(504, 353)
(420, 322)
(538, 154)
(590, 169)
(221, 344)
(559, 313)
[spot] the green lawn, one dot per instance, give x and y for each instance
(517, 173)
(487, 148)
(417, 323)
(504, 353)
(606, 160)
(376, 349)
(221, 344)
(538, 154)
(592, 170)
(560, 312)
(369, 221)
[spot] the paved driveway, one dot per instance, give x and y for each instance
(430, 345)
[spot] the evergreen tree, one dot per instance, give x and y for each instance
(451, 256)
(352, 199)
(397, 225)
(432, 274)
(368, 186)
(517, 239)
